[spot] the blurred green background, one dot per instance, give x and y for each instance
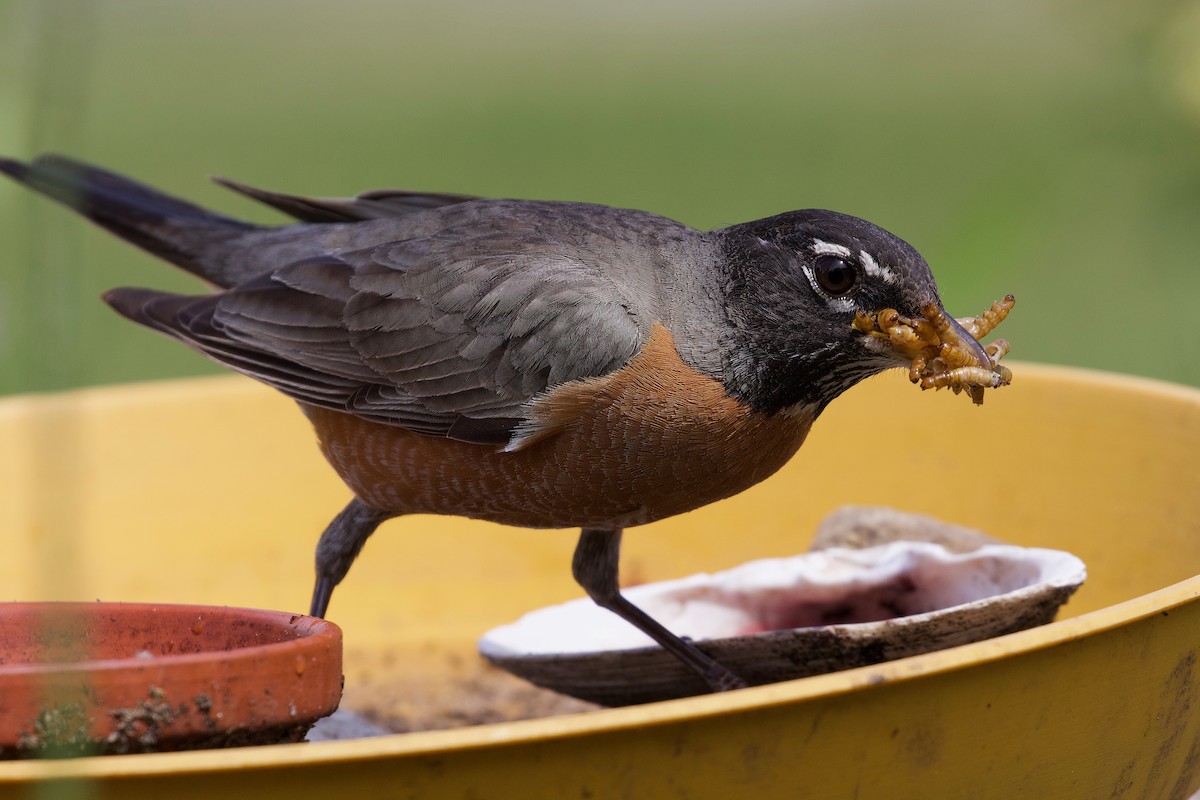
(1050, 149)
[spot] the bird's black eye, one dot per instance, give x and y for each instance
(834, 275)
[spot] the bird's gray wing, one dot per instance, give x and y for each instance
(375, 204)
(450, 335)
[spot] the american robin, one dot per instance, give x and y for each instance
(539, 364)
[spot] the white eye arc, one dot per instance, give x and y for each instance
(872, 268)
(822, 248)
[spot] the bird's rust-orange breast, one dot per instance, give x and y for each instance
(650, 440)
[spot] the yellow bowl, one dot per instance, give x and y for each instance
(212, 491)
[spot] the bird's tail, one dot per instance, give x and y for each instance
(164, 226)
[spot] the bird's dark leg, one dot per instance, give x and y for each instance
(595, 567)
(339, 546)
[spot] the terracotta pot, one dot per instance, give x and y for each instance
(86, 678)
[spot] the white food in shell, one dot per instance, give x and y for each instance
(909, 582)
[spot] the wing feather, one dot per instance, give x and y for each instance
(451, 334)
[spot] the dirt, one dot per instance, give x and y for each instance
(446, 690)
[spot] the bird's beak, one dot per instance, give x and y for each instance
(970, 342)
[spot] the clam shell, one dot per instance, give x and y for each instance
(779, 619)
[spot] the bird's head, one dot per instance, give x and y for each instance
(793, 284)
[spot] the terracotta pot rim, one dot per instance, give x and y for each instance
(310, 636)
